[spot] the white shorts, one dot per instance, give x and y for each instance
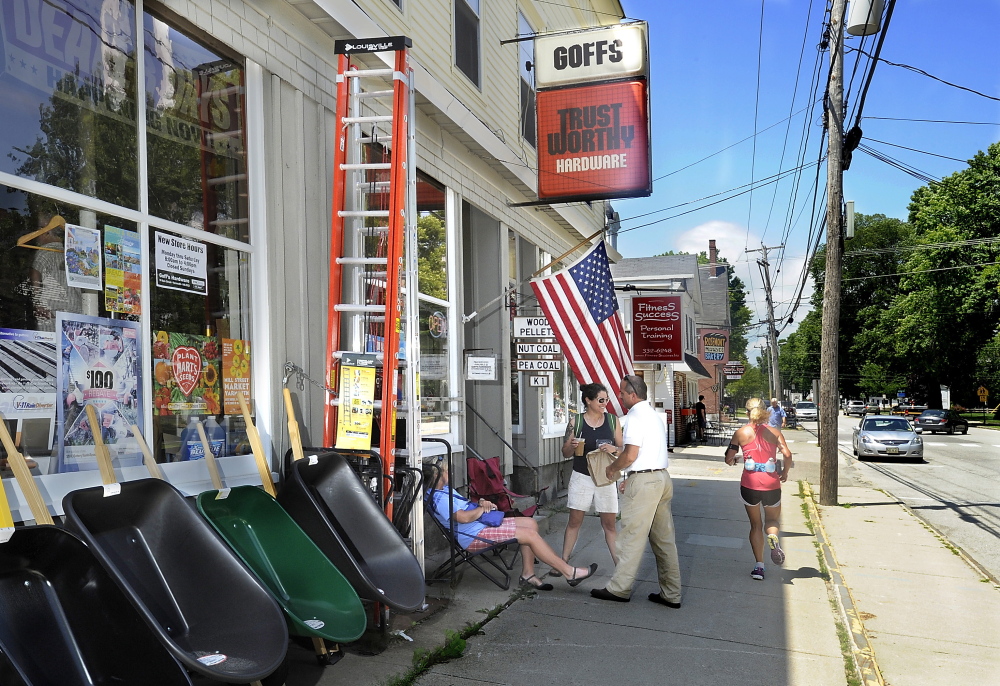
(583, 493)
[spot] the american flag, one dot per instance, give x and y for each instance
(581, 307)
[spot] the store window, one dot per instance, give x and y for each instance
(68, 329)
(195, 133)
(467, 38)
(200, 321)
(69, 97)
(436, 311)
(526, 68)
(74, 299)
(561, 395)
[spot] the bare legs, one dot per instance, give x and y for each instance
(759, 525)
(535, 546)
(608, 523)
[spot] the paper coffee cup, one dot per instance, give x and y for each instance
(580, 448)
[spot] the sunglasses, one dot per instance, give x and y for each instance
(601, 400)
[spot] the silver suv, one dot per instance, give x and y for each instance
(855, 407)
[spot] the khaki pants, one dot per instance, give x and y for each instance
(645, 507)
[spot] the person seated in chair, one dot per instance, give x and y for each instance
(474, 535)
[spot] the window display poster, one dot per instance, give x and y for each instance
(83, 257)
(181, 265)
(27, 374)
(235, 374)
(122, 274)
(98, 365)
(185, 374)
(357, 402)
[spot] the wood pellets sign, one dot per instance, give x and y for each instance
(593, 114)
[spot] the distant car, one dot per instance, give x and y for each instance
(872, 408)
(908, 409)
(886, 437)
(806, 411)
(854, 407)
(934, 421)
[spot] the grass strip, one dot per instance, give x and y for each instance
(454, 643)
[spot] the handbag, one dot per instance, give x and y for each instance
(598, 462)
(492, 518)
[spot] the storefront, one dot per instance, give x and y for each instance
(166, 214)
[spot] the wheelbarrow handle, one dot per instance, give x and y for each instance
(24, 479)
(256, 447)
(213, 468)
(101, 451)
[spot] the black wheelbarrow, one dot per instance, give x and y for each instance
(203, 604)
(329, 502)
(63, 619)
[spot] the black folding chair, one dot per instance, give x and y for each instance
(488, 561)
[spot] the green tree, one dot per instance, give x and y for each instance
(945, 313)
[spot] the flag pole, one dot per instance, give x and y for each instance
(570, 251)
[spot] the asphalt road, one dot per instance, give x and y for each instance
(956, 488)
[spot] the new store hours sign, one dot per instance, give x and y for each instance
(657, 329)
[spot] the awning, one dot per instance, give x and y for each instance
(692, 365)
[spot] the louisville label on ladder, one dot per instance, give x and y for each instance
(373, 319)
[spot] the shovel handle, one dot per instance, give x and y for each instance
(24, 479)
(256, 447)
(147, 455)
(213, 468)
(100, 449)
(294, 437)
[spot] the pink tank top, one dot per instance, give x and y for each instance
(760, 466)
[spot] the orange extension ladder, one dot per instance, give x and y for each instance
(372, 307)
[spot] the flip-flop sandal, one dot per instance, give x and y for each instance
(575, 581)
(526, 581)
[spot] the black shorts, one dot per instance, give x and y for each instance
(765, 498)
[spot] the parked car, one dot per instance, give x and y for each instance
(806, 411)
(934, 421)
(854, 407)
(886, 437)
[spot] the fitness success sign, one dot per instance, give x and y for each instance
(657, 329)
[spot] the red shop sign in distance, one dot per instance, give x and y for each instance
(593, 142)
(656, 329)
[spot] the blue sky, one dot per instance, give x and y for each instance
(704, 84)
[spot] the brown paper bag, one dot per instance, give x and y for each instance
(598, 462)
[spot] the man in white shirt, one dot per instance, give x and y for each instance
(645, 507)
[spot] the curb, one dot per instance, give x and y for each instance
(864, 655)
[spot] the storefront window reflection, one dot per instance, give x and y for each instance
(195, 133)
(435, 306)
(69, 96)
(201, 347)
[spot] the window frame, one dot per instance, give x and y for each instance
(527, 54)
(476, 81)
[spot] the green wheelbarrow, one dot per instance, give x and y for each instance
(317, 599)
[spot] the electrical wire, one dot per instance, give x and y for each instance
(936, 78)
(902, 166)
(756, 109)
(938, 121)
(873, 60)
(924, 246)
(923, 152)
(923, 271)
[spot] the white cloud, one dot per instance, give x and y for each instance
(732, 241)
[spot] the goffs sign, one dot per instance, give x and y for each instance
(657, 329)
(592, 114)
(616, 52)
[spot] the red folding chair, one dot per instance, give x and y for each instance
(486, 481)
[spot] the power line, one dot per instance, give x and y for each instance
(902, 166)
(938, 121)
(756, 109)
(923, 271)
(923, 152)
(931, 76)
(924, 246)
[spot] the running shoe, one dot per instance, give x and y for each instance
(777, 554)
(757, 573)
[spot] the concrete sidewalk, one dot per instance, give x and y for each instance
(925, 613)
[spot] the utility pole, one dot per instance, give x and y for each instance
(829, 369)
(772, 330)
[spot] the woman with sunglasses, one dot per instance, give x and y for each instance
(596, 429)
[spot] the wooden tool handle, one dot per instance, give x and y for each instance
(100, 449)
(147, 455)
(36, 503)
(213, 469)
(256, 447)
(293, 427)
